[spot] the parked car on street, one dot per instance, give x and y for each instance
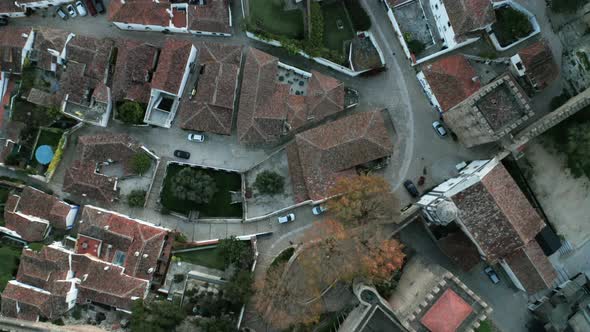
(182, 154)
(3, 21)
(318, 209)
(81, 9)
(439, 128)
(99, 6)
(492, 274)
(196, 137)
(411, 188)
(288, 218)
(61, 13)
(90, 6)
(71, 11)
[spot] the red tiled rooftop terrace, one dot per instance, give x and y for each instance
(447, 314)
(88, 245)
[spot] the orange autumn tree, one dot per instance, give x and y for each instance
(383, 259)
(363, 199)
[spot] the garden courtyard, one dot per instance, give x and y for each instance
(204, 190)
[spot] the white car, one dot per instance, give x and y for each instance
(200, 138)
(71, 11)
(439, 128)
(81, 9)
(318, 209)
(288, 218)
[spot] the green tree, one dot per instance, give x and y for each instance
(236, 252)
(158, 316)
(578, 149)
(12, 159)
(131, 112)
(238, 289)
(141, 163)
(191, 184)
(216, 324)
(511, 22)
(567, 6)
(136, 198)
(269, 182)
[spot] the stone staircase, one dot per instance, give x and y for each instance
(566, 249)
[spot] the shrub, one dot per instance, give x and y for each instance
(236, 251)
(56, 157)
(511, 25)
(358, 15)
(131, 112)
(194, 185)
(136, 198)
(269, 182)
(416, 46)
(35, 246)
(141, 163)
(316, 38)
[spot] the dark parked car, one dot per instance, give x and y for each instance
(492, 274)
(99, 6)
(3, 21)
(182, 154)
(411, 188)
(90, 5)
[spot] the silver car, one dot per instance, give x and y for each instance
(199, 138)
(318, 209)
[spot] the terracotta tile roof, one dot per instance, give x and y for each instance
(469, 15)
(94, 53)
(106, 283)
(260, 115)
(267, 108)
(459, 248)
(30, 229)
(82, 180)
(497, 214)
(513, 203)
(451, 80)
(212, 108)
(136, 62)
(320, 155)
(26, 303)
(11, 46)
(539, 64)
(139, 244)
(48, 38)
(171, 65)
(447, 314)
(40, 269)
(120, 148)
(532, 268)
(144, 12)
(213, 16)
(30, 213)
(325, 97)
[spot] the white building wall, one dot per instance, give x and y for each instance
(443, 24)
(187, 69)
(428, 91)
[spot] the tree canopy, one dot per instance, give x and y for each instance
(131, 112)
(141, 163)
(191, 184)
(236, 252)
(269, 182)
(158, 316)
(363, 199)
(578, 149)
(136, 198)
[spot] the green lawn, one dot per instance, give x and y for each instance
(267, 15)
(210, 258)
(9, 256)
(219, 205)
(334, 14)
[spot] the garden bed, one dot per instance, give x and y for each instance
(210, 258)
(269, 15)
(511, 25)
(219, 205)
(10, 258)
